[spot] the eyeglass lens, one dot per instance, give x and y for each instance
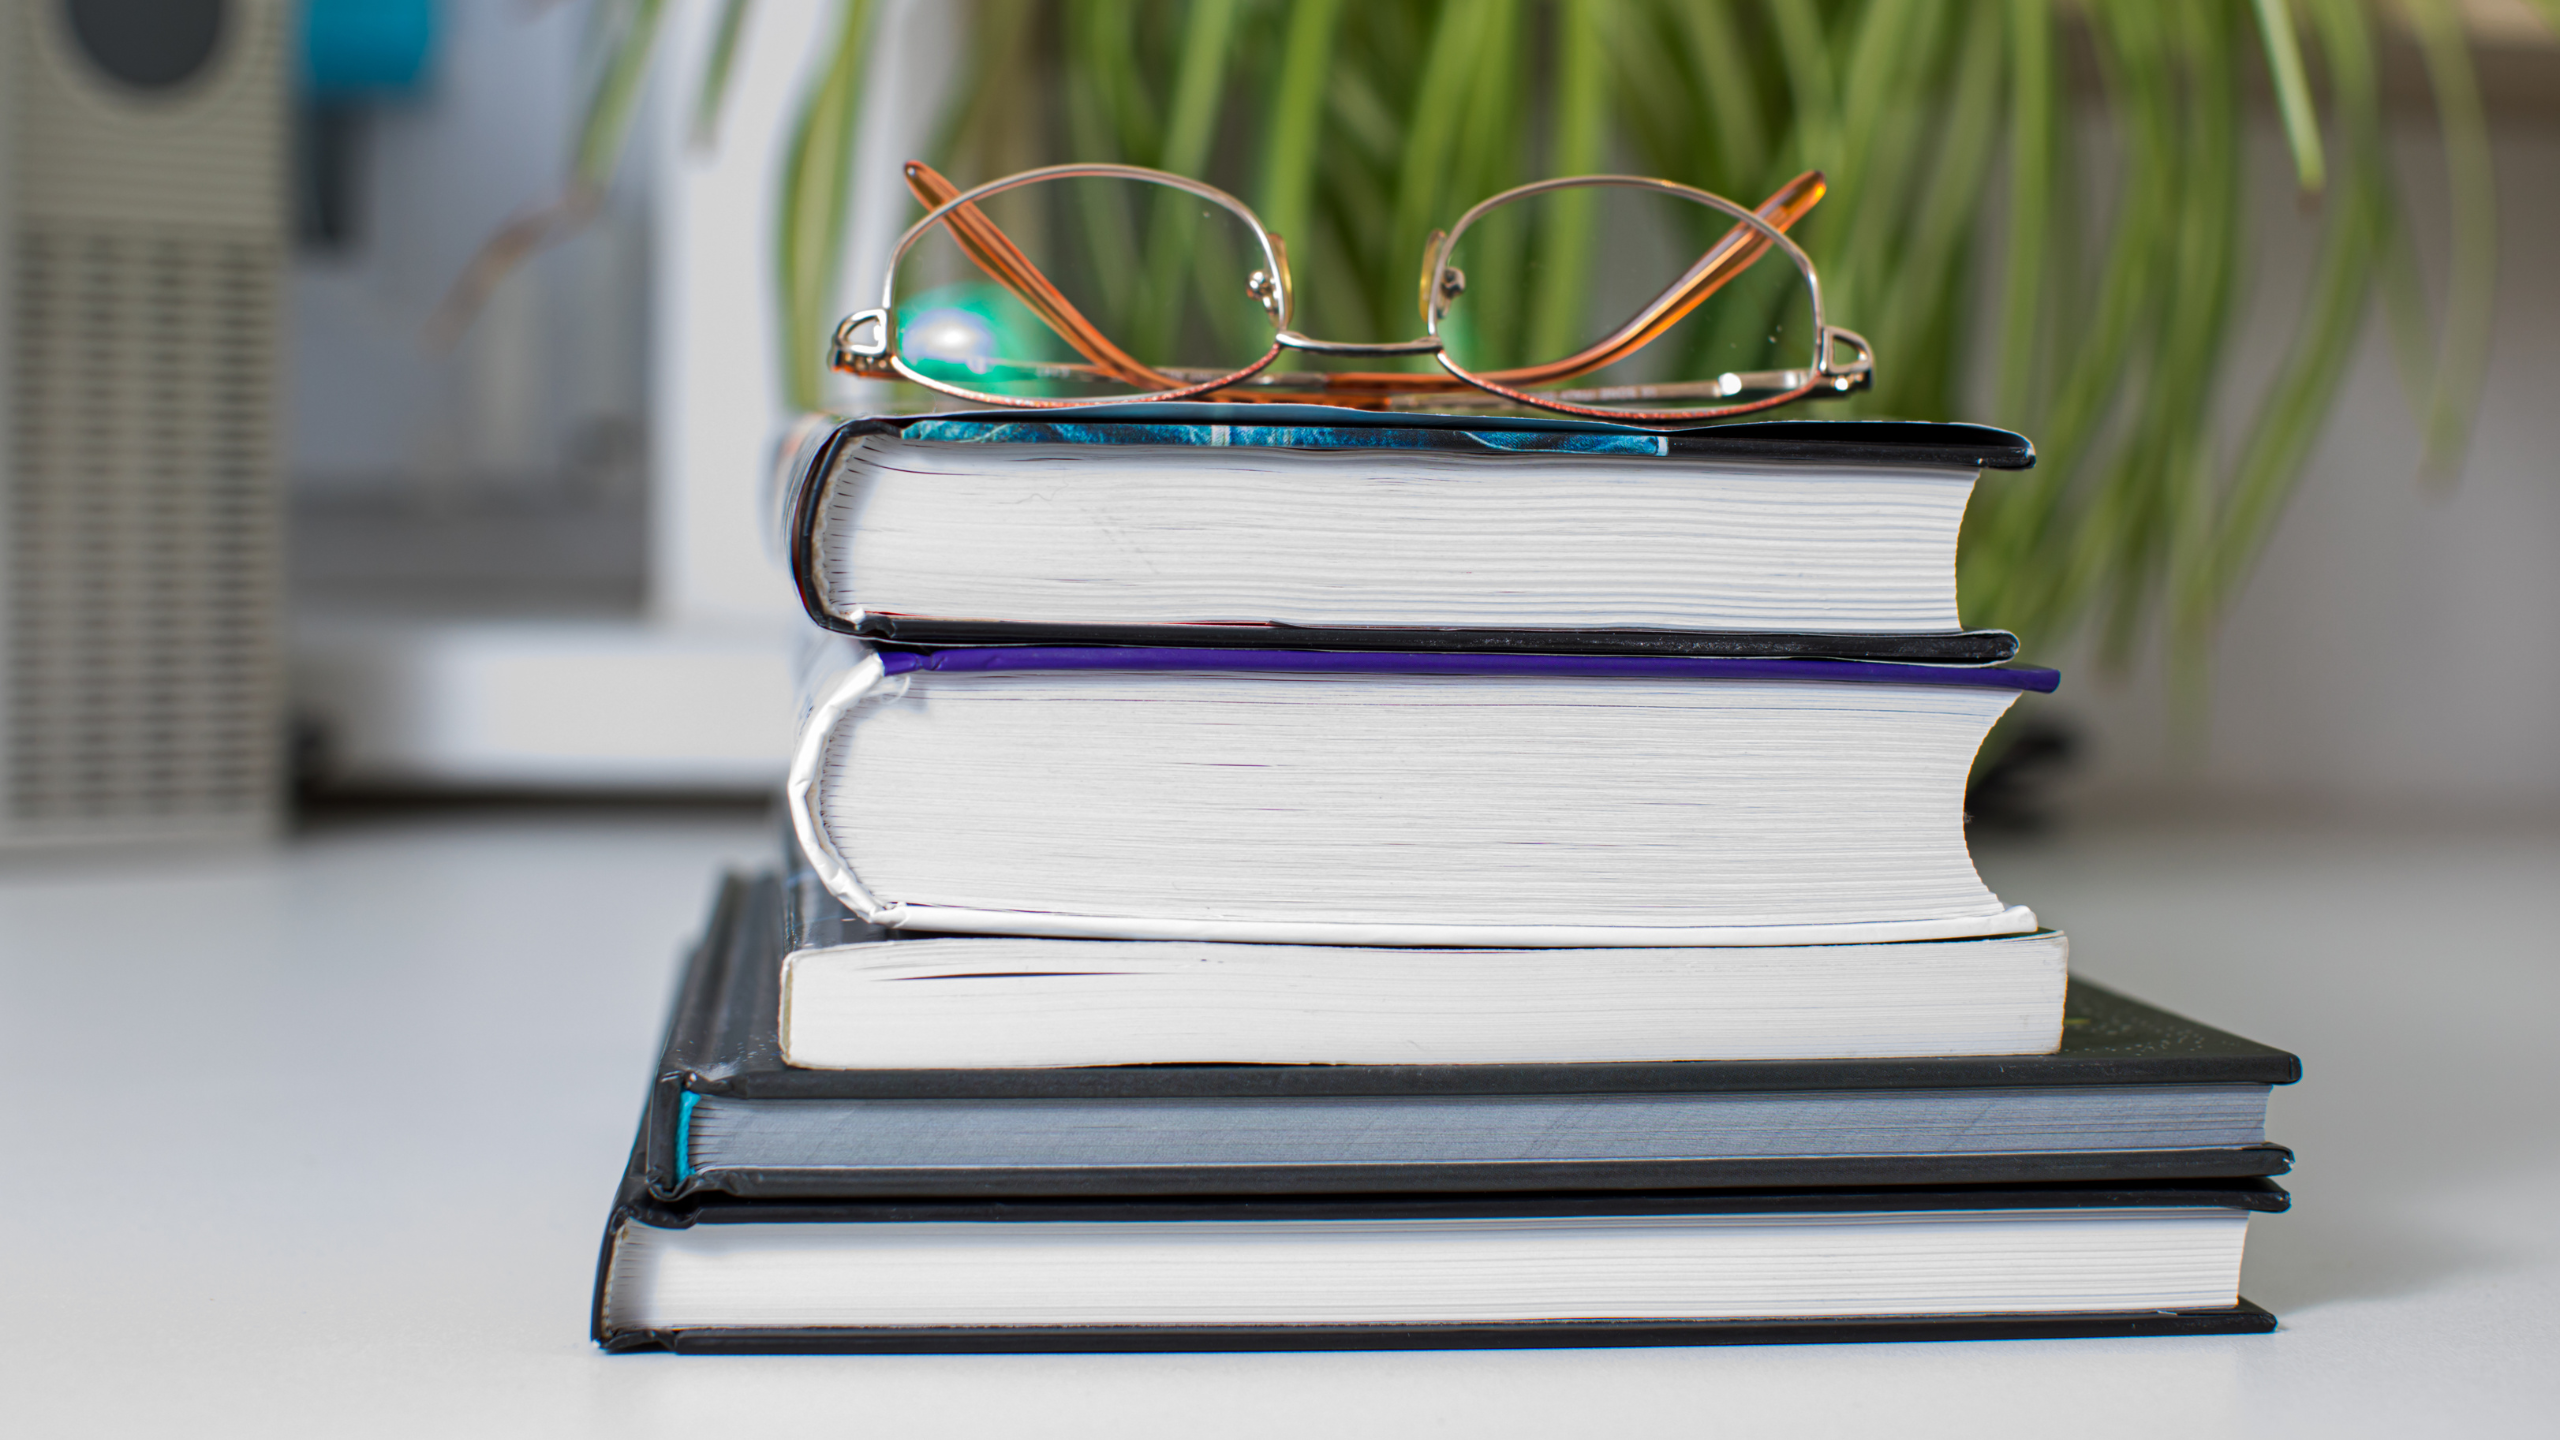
(1149, 287)
(1555, 290)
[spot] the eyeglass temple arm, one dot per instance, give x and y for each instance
(1732, 253)
(1728, 257)
(1004, 263)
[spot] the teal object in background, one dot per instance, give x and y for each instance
(366, 49)
(966, 332)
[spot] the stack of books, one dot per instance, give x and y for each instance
(1275, 877)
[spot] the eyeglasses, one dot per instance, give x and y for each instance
(1086, 284)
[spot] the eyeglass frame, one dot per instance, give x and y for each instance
(1441, 284)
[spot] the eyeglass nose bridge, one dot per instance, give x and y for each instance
(1308, 344)
(1452, 284)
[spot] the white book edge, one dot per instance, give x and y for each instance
(867, 680)
(873, 1004)
(860, 466)
(1465, 1270)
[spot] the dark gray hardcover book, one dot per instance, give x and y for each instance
(722, 1274)
(2133, 1093)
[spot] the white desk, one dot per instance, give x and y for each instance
(320, 1143)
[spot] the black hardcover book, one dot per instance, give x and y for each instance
(1379, 1272)
(1858, 527)
(2133, 1093)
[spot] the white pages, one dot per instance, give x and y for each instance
(1155, 535)
(998, 1002)
(1423, 1271)
(1396, 809)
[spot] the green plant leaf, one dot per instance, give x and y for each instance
(1296, 127)
(1190, 127)
(2116, 265)
(2462, 353)
(1733, 135)
(2289, 419)
(1581, 139)
(1490, 157)
(2293, 93)
(817, 189)
(1431, 132)
(1109, 30)
(1812, 91)
(2031, 198)
(2041, 576)
(718, 68)
(2173, 535)
(1192, 124)
(1925, 285)
(604, 124)
(979, 134)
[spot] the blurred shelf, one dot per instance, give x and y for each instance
(542, 705)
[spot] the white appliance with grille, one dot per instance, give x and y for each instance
(143, 149)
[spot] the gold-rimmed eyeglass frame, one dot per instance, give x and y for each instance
(866, 344)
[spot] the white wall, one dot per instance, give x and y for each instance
(2396, 650)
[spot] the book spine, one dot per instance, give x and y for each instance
(690, 1037)
(805, 502)
(831, 707)
(693, 1039)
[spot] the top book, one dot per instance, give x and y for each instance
(1317, 527)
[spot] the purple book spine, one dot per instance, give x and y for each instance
(1370, 662)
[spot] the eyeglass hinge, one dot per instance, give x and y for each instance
(851, 348)
(1859, 373)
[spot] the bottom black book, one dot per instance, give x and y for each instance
(1428, 1271)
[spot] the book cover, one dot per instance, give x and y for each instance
(622, 1322)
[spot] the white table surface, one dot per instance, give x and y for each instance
(319, 1141)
